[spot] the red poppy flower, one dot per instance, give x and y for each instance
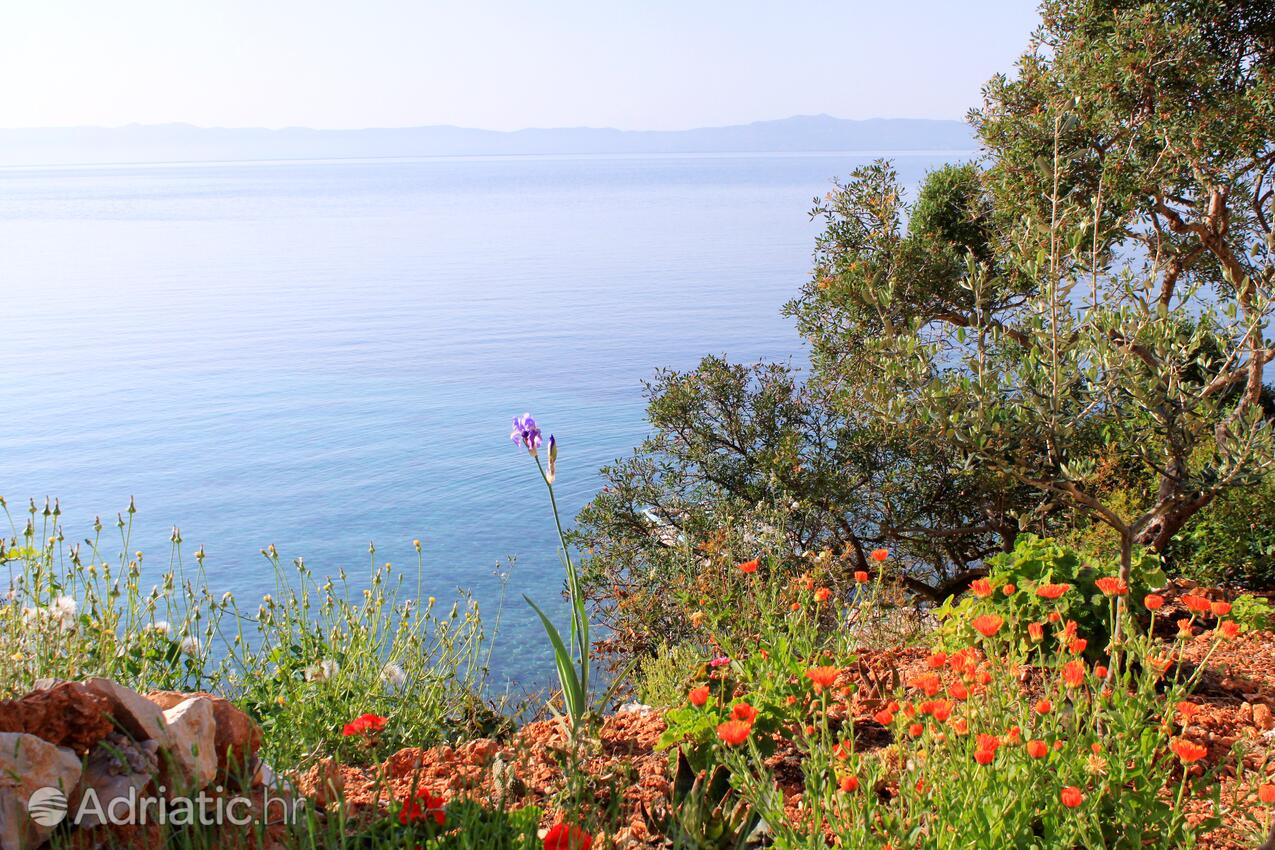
(1052, 591)
(1197, 604)
(984, 757)
(422, 807)
(988, 742)
(849, 784)
(363, 725)
(1153, 601)
(1037, 749)
(699, 696)
(1112, 586)
(750, 566)
(734, 732)
(1072, 797)
(1266, 793)
(743, 711)
(861, 576)
(879, 555)
(987, 624)
(982, 588)
(567, 837)
(1188, 751)
(822, 677)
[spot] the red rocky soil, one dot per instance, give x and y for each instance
(1236, 699)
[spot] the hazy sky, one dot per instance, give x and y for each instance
(499, 64)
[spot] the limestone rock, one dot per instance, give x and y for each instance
(192, 746)
(238, 738)
(133, 714)
(117, 768)
(66, 715)
(29, 765)
(1262, 717)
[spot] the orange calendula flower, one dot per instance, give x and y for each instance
(1197, 604)
(750, 566)
(984, 757)
(1015, 735)
(1184, 627)
(1112, 586)
(734, 732)
(1229, 629)
(916, 730)
(879, 555)
(1071, 797)
(1074, 673)
(981, 588)
(822, 677)
(1009, 589)
(1036, 631)
(930, 683)
(743, 711)
(936, 660)
(822, 594)
(849, 784)
(1266, 793)
(987, 624)
(988, 742)
(1153, 601)
(1220, 609)
(1052, 591)
(1077, 646)
(958, 691)
(1101, 671)
(1188, 710)
(1037, 749)
(861, 576)
(961, 726)
(1189, 751)
(699, 696)
(884, 717)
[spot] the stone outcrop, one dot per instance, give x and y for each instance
(35, 773)
(237, 737)
(93, 743)
(66, 714)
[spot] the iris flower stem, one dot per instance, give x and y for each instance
(579, 623)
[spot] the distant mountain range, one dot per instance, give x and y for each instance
(187, 143)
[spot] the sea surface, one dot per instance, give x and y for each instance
(322, 354)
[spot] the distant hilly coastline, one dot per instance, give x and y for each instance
(186, 143)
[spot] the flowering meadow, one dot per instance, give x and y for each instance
(1053, 704)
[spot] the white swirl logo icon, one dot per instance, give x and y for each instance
(47, 806)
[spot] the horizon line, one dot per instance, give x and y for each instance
(294, 127)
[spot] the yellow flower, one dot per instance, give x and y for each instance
(279, 700)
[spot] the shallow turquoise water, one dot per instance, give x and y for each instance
(322, 354)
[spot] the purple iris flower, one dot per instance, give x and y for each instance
(526, 433)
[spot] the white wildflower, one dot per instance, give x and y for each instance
(162, 627)
(190, 646)
(393, 676)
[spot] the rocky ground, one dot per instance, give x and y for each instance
(96, 734)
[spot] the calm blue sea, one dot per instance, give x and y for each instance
(322, 354)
